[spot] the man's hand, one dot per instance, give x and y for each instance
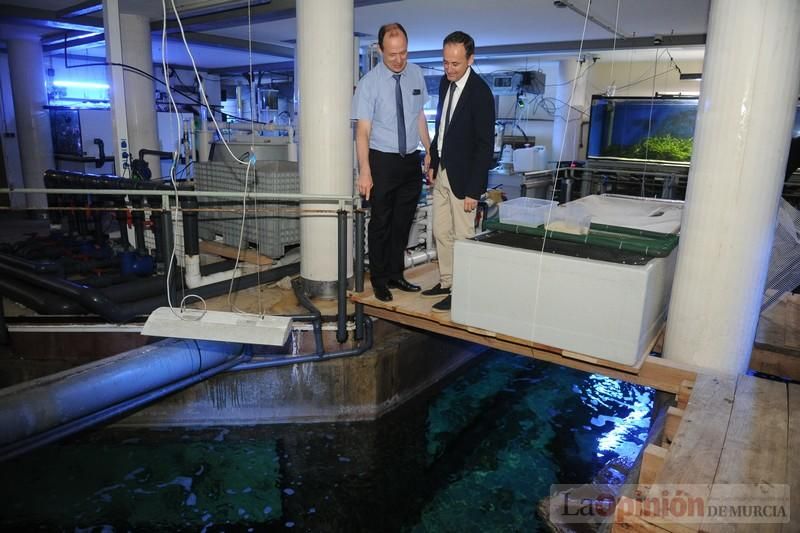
(429, 175)
(364, 183)
(469, 204)
(426, 165)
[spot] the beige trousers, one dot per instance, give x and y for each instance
(450, 223)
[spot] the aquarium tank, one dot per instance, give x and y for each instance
(659, 129)
(642, 128)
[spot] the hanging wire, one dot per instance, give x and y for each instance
(614, 48)
(555, 171)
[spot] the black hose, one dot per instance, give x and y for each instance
(358, 270)
(341, 329)
(191, 235)
(316, 316)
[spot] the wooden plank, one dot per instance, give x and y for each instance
(684, 393)
(223, 250)
(755, 445)
(674, 417)
(628, 518)
(793, 458)
(653, 459)
(792, 338)
(776, 362)
(655, 372)
(698, 443)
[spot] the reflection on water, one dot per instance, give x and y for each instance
(478, 454)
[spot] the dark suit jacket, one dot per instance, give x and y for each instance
(469, 144)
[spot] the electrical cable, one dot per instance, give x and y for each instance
(614, 47)
(135, 70)
(172, 258)
(200, 82)
(253, 149)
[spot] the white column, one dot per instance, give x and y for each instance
(325, 61)
(568, 119)
(745, 113)
(26, 66)
(140, 101)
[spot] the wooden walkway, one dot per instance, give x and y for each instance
(413, 310)
(725, 431)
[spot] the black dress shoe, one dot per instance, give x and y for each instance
(443, 306)
(382, 293)
(403, 285)
(436, 291)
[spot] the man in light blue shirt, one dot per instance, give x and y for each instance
(388, 105)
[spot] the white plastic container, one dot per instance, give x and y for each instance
(529, 159)
(525, 211)
(569, 218)
(596, 308)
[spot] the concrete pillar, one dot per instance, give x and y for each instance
(26, 66)
(746, 109)
(140, 101)
(567, 123)
(325, 62)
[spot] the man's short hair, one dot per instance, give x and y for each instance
(463, 38)
(390, 28)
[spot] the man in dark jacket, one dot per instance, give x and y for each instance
(461, 156)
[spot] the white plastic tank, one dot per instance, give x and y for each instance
(530, 158)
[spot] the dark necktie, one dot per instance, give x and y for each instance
(449, 107)
(401, 119)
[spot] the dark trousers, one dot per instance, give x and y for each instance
(396, 186)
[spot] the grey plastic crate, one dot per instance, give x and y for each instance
(273, 232)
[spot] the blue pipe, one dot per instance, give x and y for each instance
(36, 406)
(59, 432)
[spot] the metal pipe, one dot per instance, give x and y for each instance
(298, 359)
(327, 198)
(341, 331)
(358, 269)
(5, 338)
(167, 244)
(57, 432)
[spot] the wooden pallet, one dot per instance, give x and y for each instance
(722, 432)
(412, 310)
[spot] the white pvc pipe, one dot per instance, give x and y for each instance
(140, 101)
(195, 279)
(566, 126)
(746, 109)
(420, 257)
(26, 66)
(325, 60)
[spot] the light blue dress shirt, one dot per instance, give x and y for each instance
(374, 100)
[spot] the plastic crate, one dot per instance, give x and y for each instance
(525, 211)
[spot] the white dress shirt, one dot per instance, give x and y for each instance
(456, 95)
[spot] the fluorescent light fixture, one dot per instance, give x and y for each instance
(80, 84)
(692, 76)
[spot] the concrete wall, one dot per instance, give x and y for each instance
(403, 363)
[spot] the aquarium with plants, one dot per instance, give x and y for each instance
(642, 128)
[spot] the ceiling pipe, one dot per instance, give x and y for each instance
(581, 12)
